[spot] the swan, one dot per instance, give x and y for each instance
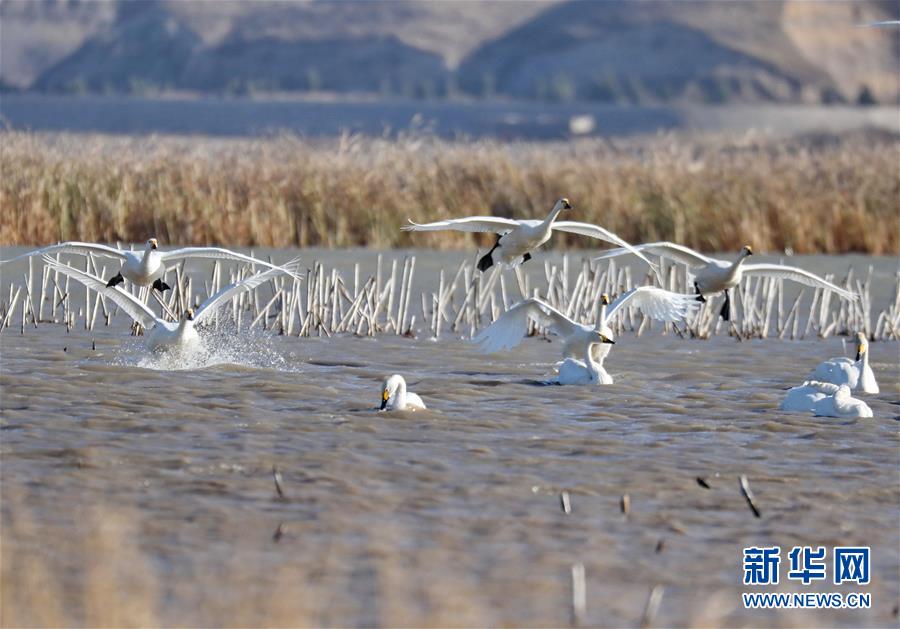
(856, 374)
(841, 404)
(147, 268)
(583, 362)
(804, 397)
(395, 397)
(712, 276)
(518, 238)
(166, 335)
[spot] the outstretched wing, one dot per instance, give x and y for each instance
(595, 231)
(208, 307)
(134, 307)
(797, 275)
(482, 224)
(656, 303)
(669, 250)
(82, 248)
(508, 331)
(219, 254)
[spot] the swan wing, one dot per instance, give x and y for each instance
(134, 307)
(797, 275)
(219, 253)
(509, 329)
(656, 303)
(209, 306)
(74, 247)
(670, 250)
(482, 224)
(595, 231)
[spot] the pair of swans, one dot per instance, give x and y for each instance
(519, 238)
(147, 268)
(584, 347)
(827, 390)
(713, 276)
(168, 335)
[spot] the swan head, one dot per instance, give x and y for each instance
(389, 388)
(747, 251)
(152, 244)
(563, 204)
(189, 314)
(862, 345)
(604, 299)
(603, 338)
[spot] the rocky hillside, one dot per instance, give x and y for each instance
(647, 52)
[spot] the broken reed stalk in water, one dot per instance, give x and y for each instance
(324, 304)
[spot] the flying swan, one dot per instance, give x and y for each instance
(395, 397)
(518, 238)
(856, 374)
(712, 276)
(147, 268)
(168, 335)
(583, 361)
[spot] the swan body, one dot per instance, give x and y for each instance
(583, 359)
(804, 397)
(856, 374)
(841, 404)
(145, 268)
(169, 335)
(395, 397)
(519, 238)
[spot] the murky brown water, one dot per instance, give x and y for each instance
(445, 517)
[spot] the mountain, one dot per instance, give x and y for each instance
(633, 52)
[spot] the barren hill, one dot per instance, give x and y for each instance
(645, 52)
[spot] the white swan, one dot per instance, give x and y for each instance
(856, 374)
(583, 361)
(163, 335)
(395, 397)
(518, 238)
(712, 276)
(841, 404)
(147, 268)
(804, 397)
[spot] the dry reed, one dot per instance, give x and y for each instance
(831, 195)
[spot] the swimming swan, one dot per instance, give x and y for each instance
(841, 404)
(856, 374)
(518, 238)
(804, 397)
(395, 397)
(583, 361)
(168, 334)
(712, 276)
(147, 268)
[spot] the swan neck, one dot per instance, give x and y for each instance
(554, 213)
(401, 394)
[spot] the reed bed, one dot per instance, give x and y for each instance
(823, 194)
(460, 303)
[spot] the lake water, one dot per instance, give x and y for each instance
(148, 493)
(497, 119)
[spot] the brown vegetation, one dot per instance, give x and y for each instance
(828, 195)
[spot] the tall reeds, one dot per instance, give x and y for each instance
(713, 193)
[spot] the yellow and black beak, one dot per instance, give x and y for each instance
(189, 314)
(860, 350)
(153, 243)
(605, 339)
(604, 299)
(385, 396)
(566, 204)
(749, 250)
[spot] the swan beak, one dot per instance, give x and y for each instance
(189, 314)
(749, 250)
(385, 396)
(566, 205)
(606, 339)
(153, 243)
(604, 299)
(860, 350)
